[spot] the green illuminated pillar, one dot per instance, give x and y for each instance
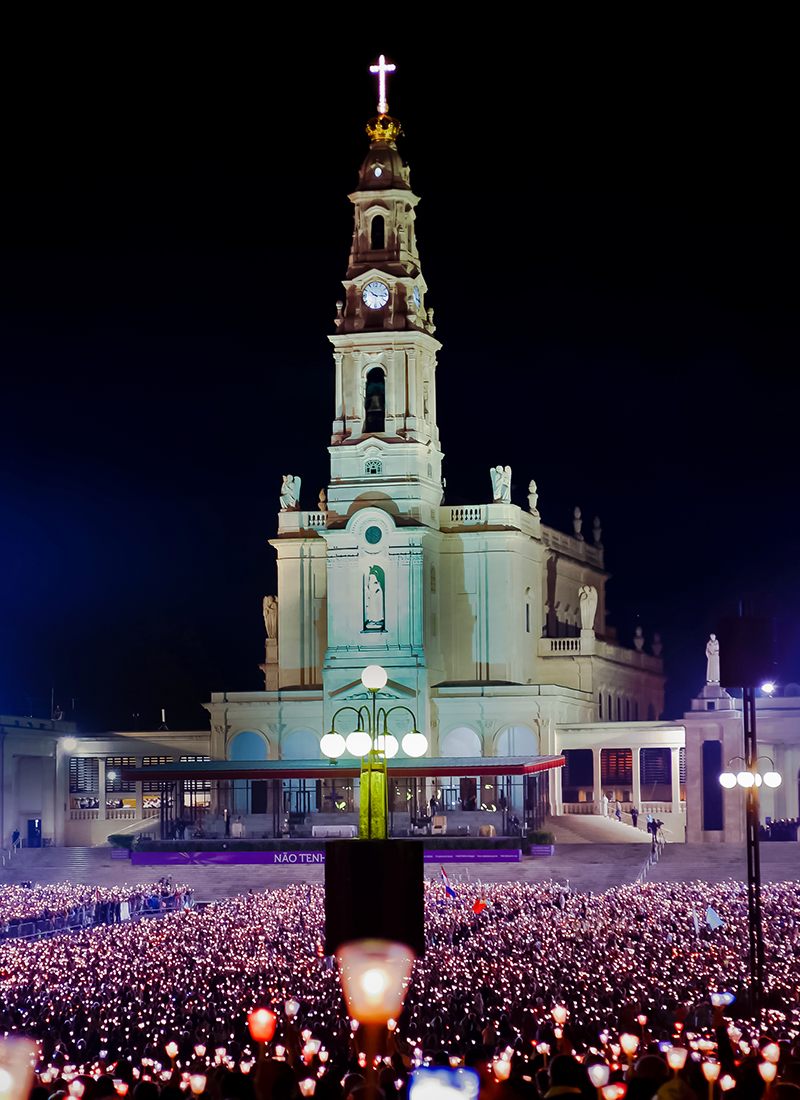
(373, 815)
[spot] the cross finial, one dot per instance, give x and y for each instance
(382, 69)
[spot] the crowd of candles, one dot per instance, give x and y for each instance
(24, 905)
(512, 986)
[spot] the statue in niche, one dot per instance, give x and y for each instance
(588, 597)
(577, 523)
(712, 660)
(656, 645)
(375, 599)
(290, 493)
(270, 606)
(597, 531)
(323, 501)
(533, 498)
(501, 484)
(638, 639)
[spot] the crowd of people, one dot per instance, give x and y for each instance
(103, 1003)
(33, 910)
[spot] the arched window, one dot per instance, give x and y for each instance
(461, 742)
(378, 233)
(517, 741)
(375, 401)
(248, 745)
(373, 466)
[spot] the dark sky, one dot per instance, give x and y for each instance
(607, 229)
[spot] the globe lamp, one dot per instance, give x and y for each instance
(332, 745)
(358, 743)
(415, 743)
(728, 780)
(745, 779)
(374, 677)
(772, 779)
(387, 744)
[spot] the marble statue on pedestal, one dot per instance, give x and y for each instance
(375, 599)
(290, 493)
(712, 660)
(588, 597)
(501, 484)
(577, 523)
(533, 498)
(271, 616)
(638, 639)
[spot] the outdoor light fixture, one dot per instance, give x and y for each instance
(358, 743)
(387, 743)
(374, 677)
(727, 779)
(772, 779)
(374, 975)
(332, 745)
(768, 688)
(415, 743)
(745, 779)
(372, 741)
(69, 744)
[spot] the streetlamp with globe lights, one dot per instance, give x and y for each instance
(750, 779)
(372, 741)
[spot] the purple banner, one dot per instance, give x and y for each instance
(308, 858)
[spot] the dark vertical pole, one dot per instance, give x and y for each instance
(753, 855)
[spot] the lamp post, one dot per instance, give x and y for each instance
(751, 779)
(372, 741)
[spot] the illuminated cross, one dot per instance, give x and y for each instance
(382, 69)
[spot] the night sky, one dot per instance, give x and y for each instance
(607, 230)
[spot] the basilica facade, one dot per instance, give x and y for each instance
(491, 625)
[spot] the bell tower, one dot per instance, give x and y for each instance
(385, 442)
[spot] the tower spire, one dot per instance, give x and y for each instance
(382, 69)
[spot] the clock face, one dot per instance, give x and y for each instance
(375, 295)
(416, 297)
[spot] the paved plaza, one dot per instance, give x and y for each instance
(585, 866)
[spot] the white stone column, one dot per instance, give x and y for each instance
(556, 792)
(636, 778)
(411, 369)
(103, 814)
(597, 790)
(340, 411)
(676, 780)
